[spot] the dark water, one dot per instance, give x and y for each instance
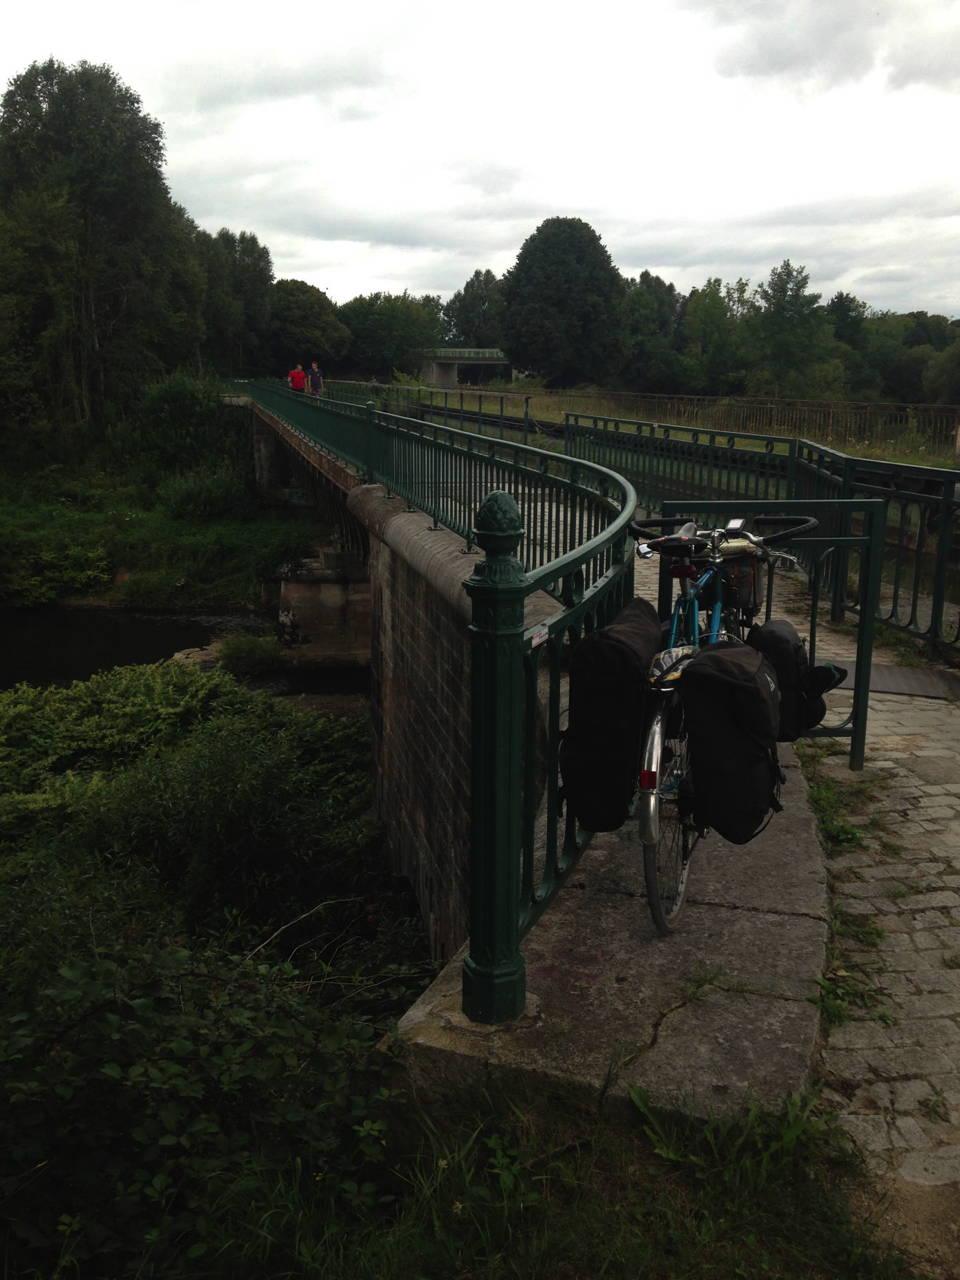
(55, 646)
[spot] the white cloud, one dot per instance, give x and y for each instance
(376, 145)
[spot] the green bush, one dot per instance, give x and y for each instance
(208, 494)
(152, 1097)
(106, 721)
(260, 812)
(181, 423)
(248, 656)
(169, 1081)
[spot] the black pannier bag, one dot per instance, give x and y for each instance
(600, 751)
(802, 687)
(731, 708)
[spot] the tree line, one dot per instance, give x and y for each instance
(564, 311)
(106, 284)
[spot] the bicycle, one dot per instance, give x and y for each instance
(719, 575)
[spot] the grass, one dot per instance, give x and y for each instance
(551, 406)
(846, 989)
(835, 799)
(859, 930)
(527, 1189)
(935, 1107)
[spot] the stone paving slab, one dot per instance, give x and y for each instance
(710, 1019)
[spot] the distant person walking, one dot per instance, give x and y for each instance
(296, 378)
(315, 378)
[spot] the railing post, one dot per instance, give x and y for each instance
(494, 978)
(944, 547)
(371, 469)
(841, 560)
(871, 568)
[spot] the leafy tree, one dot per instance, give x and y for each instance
(941, 377)
(707, 339)
(474, 314)
(304, 326)
(651, 311)
(222, 306)
(929, 331)
(86, 206)
(904, 377)
(790, 333)
(390, 331)
(564, 305)
(847, 314)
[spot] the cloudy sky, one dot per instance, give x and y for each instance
(375, 145)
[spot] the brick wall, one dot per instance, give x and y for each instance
(420, 686)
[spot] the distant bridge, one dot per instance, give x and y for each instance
(441, 366)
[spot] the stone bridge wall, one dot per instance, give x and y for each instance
(420, 693)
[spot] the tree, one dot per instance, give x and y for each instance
(790, 333)
(709, 337)
(564, 305)
(847, 314)
(304, 326)
(941, 377)
(86, 205)
(929, 331)
(651, 311)
(389, 331)
(474, 314)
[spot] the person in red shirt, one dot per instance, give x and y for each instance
(296, 378)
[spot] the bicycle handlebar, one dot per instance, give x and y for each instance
(807, 523)
(696, 544)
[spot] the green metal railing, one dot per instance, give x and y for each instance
(557, 562)
(919, 535)
(818, 551)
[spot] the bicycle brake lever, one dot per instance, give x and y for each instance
(788, 564)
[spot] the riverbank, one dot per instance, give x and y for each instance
(90, 535)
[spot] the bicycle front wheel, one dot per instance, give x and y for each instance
(666, 856)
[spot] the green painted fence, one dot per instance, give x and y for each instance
(920, 574)
(557, 561)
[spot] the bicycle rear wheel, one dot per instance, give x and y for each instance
(666, 858)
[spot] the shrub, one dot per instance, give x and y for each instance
(207, 494)
(260, 812)
(247, 656)
(105, 721)
(141, 1086)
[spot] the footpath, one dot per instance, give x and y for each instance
(889, 1047)
(892, 1064)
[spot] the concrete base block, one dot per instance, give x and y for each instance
(709, 1020)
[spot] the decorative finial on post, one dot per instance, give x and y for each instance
(498, 530)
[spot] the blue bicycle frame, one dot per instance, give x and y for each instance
(689, 603)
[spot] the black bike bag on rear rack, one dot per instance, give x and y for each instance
(600, 751)
(802, 687)
(731, 708)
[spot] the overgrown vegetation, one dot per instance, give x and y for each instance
(194, 971)
(162, 514)
(200, 950)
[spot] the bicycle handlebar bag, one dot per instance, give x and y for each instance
(600, 751)
(731, 707)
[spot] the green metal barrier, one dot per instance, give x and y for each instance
(817, 550)
(919, 536)
(557, 561)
